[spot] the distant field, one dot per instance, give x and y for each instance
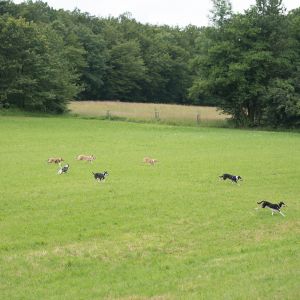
(183, 114)
(169, 231)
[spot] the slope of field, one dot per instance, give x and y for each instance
(182, 114)
(169, 231)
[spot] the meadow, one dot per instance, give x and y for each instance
(164, 113)
(169, 231)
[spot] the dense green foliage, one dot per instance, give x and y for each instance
(251, 63)
(169, 231)
(34, 73)
(247, 64)
(98, 58)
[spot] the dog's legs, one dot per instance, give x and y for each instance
(281, 213)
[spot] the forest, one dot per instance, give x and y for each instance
(247, 64)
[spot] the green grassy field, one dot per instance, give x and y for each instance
(169, 231)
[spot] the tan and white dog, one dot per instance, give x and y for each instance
(89, 158)
(55, 160)
(150, 161)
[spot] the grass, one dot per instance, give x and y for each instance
(171, 114)
(172, 231)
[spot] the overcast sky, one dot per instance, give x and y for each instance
(156, 12)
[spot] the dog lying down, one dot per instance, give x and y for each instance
(89, 158)
(273, 207)
(100, 176)
(63, 170)
(55, 160)
(150, 161)
(233, 178)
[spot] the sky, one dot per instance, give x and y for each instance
(156, 12)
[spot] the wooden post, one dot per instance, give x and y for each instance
(108, 114)
(156, 114)
(198, 118)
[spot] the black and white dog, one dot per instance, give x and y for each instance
(233, 178)
(63, 170)
(100, 176)
(273, 207)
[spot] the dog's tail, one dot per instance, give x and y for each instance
(260, 202)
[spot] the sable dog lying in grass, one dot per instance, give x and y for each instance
(150, 161)
(89, 158)
(55, 160)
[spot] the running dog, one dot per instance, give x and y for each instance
(233, 178)
(100, 176)
(63, 170)
(272, 206)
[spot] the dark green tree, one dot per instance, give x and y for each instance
(88, 31)
(242, 62)
(221, 11)
(34, 74)
(125, 71)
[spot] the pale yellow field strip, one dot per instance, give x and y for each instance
(146, 111)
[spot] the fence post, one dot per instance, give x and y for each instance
(198, 118)
(156, 114)
(108, 114)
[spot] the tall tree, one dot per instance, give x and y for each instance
(243, 62)
(269, 7)
(221, 11)
(125, 71)
(88, 33)
(34, 74)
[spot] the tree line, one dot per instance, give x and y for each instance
(248, 64)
